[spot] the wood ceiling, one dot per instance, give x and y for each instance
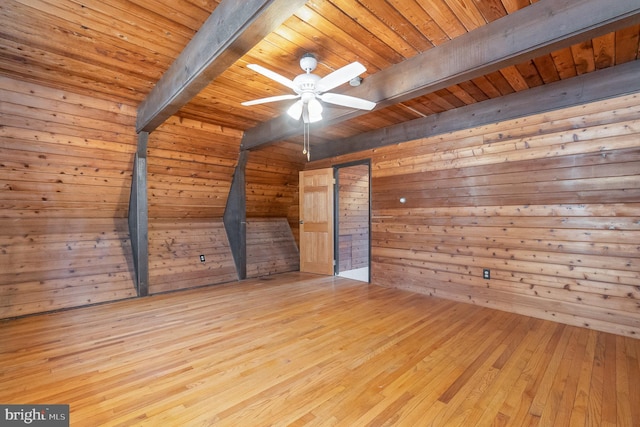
(120, 49)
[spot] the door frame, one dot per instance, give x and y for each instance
(336, 214)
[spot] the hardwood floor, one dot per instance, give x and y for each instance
(304, 350)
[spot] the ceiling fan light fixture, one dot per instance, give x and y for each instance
(295, 111)
(315, 110)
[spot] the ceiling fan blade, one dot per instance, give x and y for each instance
(347, 101)
(270, 99)
(272, 75)
(340, 76)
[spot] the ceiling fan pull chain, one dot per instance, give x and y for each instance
(304, 138)
(305, 141)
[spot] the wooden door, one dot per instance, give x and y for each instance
(316, 221)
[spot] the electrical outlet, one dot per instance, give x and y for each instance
(202, 258)
(486, 273)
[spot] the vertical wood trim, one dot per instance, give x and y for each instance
(235, 216)
(336, 220)
(139, 216)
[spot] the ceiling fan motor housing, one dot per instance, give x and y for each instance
(308, 62)
(306, 82)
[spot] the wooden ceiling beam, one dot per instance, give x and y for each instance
(591, 87)
(232, 30)
(530, 32)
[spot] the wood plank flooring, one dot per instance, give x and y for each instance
(306, 350)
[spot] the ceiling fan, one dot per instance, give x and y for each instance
(310, 89)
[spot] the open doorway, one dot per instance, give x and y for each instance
(353, 220)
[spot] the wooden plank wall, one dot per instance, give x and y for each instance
(177, 245)
(272, 182)
(271, 248)
(272, 209)
(190, 169)
(549, 203)
(353, 217)
(66, 163)
(65, 172)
